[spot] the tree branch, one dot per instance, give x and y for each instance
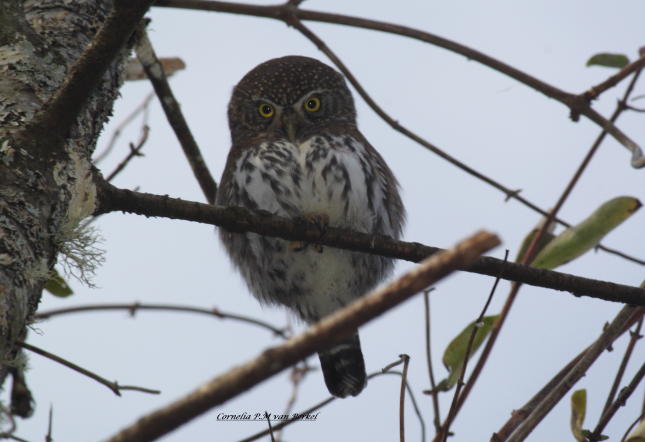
(115, 387)
(330, 329)
(241, 220)
(135, 307)
(175, 117)
(519, 415)
(287, 12)
(613, 330)
(57, 116)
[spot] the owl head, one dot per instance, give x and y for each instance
(289, 98)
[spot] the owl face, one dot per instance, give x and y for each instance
(289, 98)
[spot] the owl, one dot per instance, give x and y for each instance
(297, 152)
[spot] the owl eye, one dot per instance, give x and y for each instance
(312, 104)
(266, 110)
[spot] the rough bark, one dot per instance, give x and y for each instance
(46, 185)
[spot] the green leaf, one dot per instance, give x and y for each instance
(608, 60)
(528, 239)
(455, 354)
(578, 410)
(57, 286)
(578, 239)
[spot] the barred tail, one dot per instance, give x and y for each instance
(343, 368)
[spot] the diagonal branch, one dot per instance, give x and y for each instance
(58, 115)
(291, 14)
(155, 73)
(241, 220)
(626, 315)
(329, 330)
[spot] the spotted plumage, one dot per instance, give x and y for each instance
(297, 152)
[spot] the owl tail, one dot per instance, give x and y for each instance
(343, 368)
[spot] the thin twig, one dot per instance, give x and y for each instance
(50, 424)
(320, 335)
(620, 401)
(135, 151)
(634, 337)
(296, 376)
(268, 416)
(115, 387)
(445, 429)
(136, 306)
(520, 414)
(532, 251)
(433, 385)
(626, 315)
(239, 219)
(175, 117)
(636, 66)
(404, 382)
(331, 399)
(143, 107)
(415, 405)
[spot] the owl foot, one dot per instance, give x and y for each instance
(321, 222)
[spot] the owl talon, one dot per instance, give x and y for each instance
(297, 246)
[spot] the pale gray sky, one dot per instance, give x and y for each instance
(491, 122)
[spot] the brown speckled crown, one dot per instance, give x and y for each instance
(285, 80)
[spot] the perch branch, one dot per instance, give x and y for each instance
(240, 220)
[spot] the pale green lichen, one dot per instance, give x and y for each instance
(80, 255)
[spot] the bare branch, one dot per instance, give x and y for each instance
(175, 117)
(330, 399)
(291, 15)
(143, 107)
(325, 332)
(404, 382)
(625, 393)
(433, 385)
(519, 415)
(135, 151)
(241, 220)
(135, 307)
(456, 399)
(634, 337)
(116, 388)
(608, 335)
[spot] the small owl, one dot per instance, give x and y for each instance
(297, 152)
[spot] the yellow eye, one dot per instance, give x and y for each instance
(266, 110)
(312, 104)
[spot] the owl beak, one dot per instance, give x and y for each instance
(290, 126)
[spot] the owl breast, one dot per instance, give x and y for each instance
(324, 175)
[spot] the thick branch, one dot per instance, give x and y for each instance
(58, 115)
(242, 220)
(320, 335)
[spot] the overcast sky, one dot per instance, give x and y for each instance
(493, 123)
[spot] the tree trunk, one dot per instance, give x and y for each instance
(46, 185)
